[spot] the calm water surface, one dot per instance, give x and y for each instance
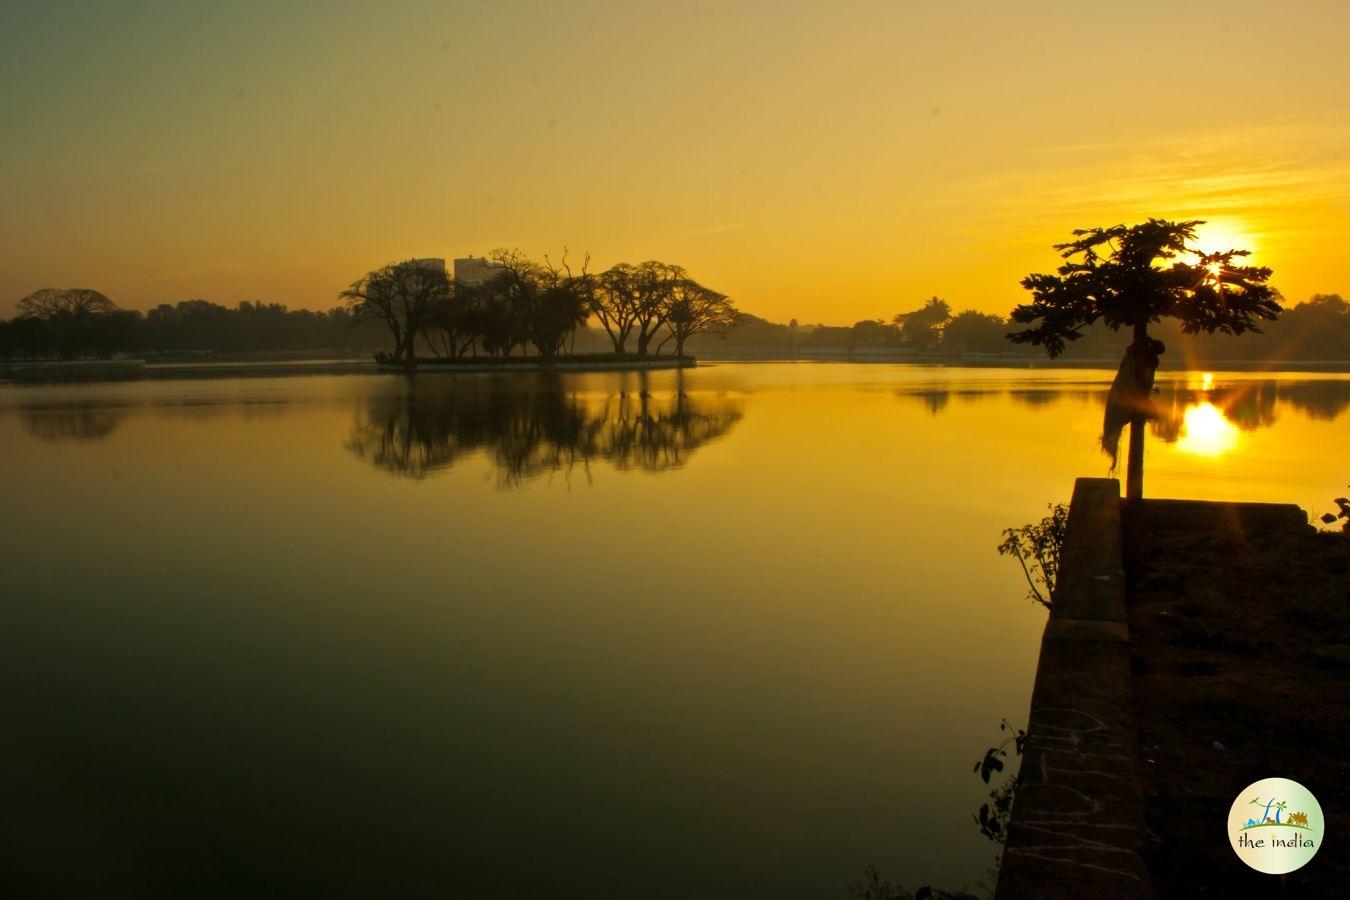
(732, 633)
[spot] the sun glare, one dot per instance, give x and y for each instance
(1206, 431)
(1221, 235)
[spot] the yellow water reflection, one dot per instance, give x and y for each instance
(777, 600)
(1206, 431)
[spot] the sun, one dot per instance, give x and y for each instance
(1206, 431)
(1221, 235)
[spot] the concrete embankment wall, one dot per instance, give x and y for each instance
(1077, 823)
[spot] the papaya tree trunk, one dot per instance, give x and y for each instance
(1132, 511)
(1134, 466)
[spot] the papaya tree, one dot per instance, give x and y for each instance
(1130, 277)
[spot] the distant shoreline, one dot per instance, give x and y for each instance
(281, 364)
(1006, 360)
(575, 363)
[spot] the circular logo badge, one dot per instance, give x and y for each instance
(1275, 826)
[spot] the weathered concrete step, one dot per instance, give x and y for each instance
(1091, 581)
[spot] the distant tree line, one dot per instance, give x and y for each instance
(929, 329)
(74, 324)
(932, 328)
(1317, 329)
(534, 307)
(538, 308)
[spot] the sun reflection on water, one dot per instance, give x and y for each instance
(1206, 431)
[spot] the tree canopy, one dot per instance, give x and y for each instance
(70, 314)
(693, 309)
(970, 330)
(1137, 274)
(404, 296)
(922, 328)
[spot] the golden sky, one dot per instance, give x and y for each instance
(823, 161)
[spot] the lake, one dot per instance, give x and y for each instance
(732, 632)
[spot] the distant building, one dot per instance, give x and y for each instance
(473, 270)
(432, 263)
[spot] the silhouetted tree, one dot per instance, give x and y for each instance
(873, 333)
(614, 303)
(751, 331)
(1130, 276)
(1318, 328)
(653, 284)
(450, 330)
(512, 300)
(404, 296)
(562, 302)
(977, 332)
(693, 309)
(70, 316)
(192, 325)
(24, 336)
(831, 336)
(488, 316)
(119, 330)
(922, 328)
(198, 325)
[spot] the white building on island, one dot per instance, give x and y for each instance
(471, 270)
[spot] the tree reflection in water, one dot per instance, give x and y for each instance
(1248, 405)
(1242, 405)
(70, 421)
(533, 426)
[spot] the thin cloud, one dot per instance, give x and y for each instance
(711, 230)
(1254, 174)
